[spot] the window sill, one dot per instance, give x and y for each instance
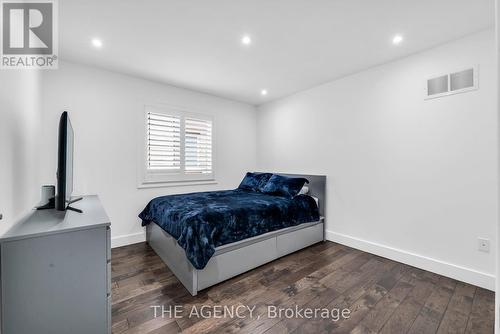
(175, 184)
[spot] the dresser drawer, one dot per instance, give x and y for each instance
(109, 315)
(293, 241)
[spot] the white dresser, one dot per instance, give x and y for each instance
(56, 272)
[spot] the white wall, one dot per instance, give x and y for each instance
(410, 179)
(20, 115)
(104, 108)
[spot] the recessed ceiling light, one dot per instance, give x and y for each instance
(263, 92)
(246, 40)
(397, 39)
(97, 43)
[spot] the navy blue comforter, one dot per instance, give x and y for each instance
(202, 221)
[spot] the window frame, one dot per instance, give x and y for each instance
(148, 178)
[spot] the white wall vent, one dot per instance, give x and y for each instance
(437, 85)
(452, 83)
(462, 80)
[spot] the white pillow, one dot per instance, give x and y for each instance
(304, 190)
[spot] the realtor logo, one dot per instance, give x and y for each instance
(29, 38)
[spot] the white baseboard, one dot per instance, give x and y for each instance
(128, 239)
(454, 271)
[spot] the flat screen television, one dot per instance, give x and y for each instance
(65, 165)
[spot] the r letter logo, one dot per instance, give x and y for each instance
(29, 38)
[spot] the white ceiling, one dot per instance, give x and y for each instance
(297, 44)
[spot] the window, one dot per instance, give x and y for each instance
(178, 147)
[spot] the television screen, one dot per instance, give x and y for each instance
(69, 161)
(64, 163)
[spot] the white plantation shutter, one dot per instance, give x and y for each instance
(198, 146)
(178, 147)
(163, 142)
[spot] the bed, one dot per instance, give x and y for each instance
(208, 237)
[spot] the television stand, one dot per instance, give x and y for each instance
(41, 256)
(71, 201)
(51, 205)
(73, 209)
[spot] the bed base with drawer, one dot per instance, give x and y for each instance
(238, 257)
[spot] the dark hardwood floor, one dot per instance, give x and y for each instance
(383, 296)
